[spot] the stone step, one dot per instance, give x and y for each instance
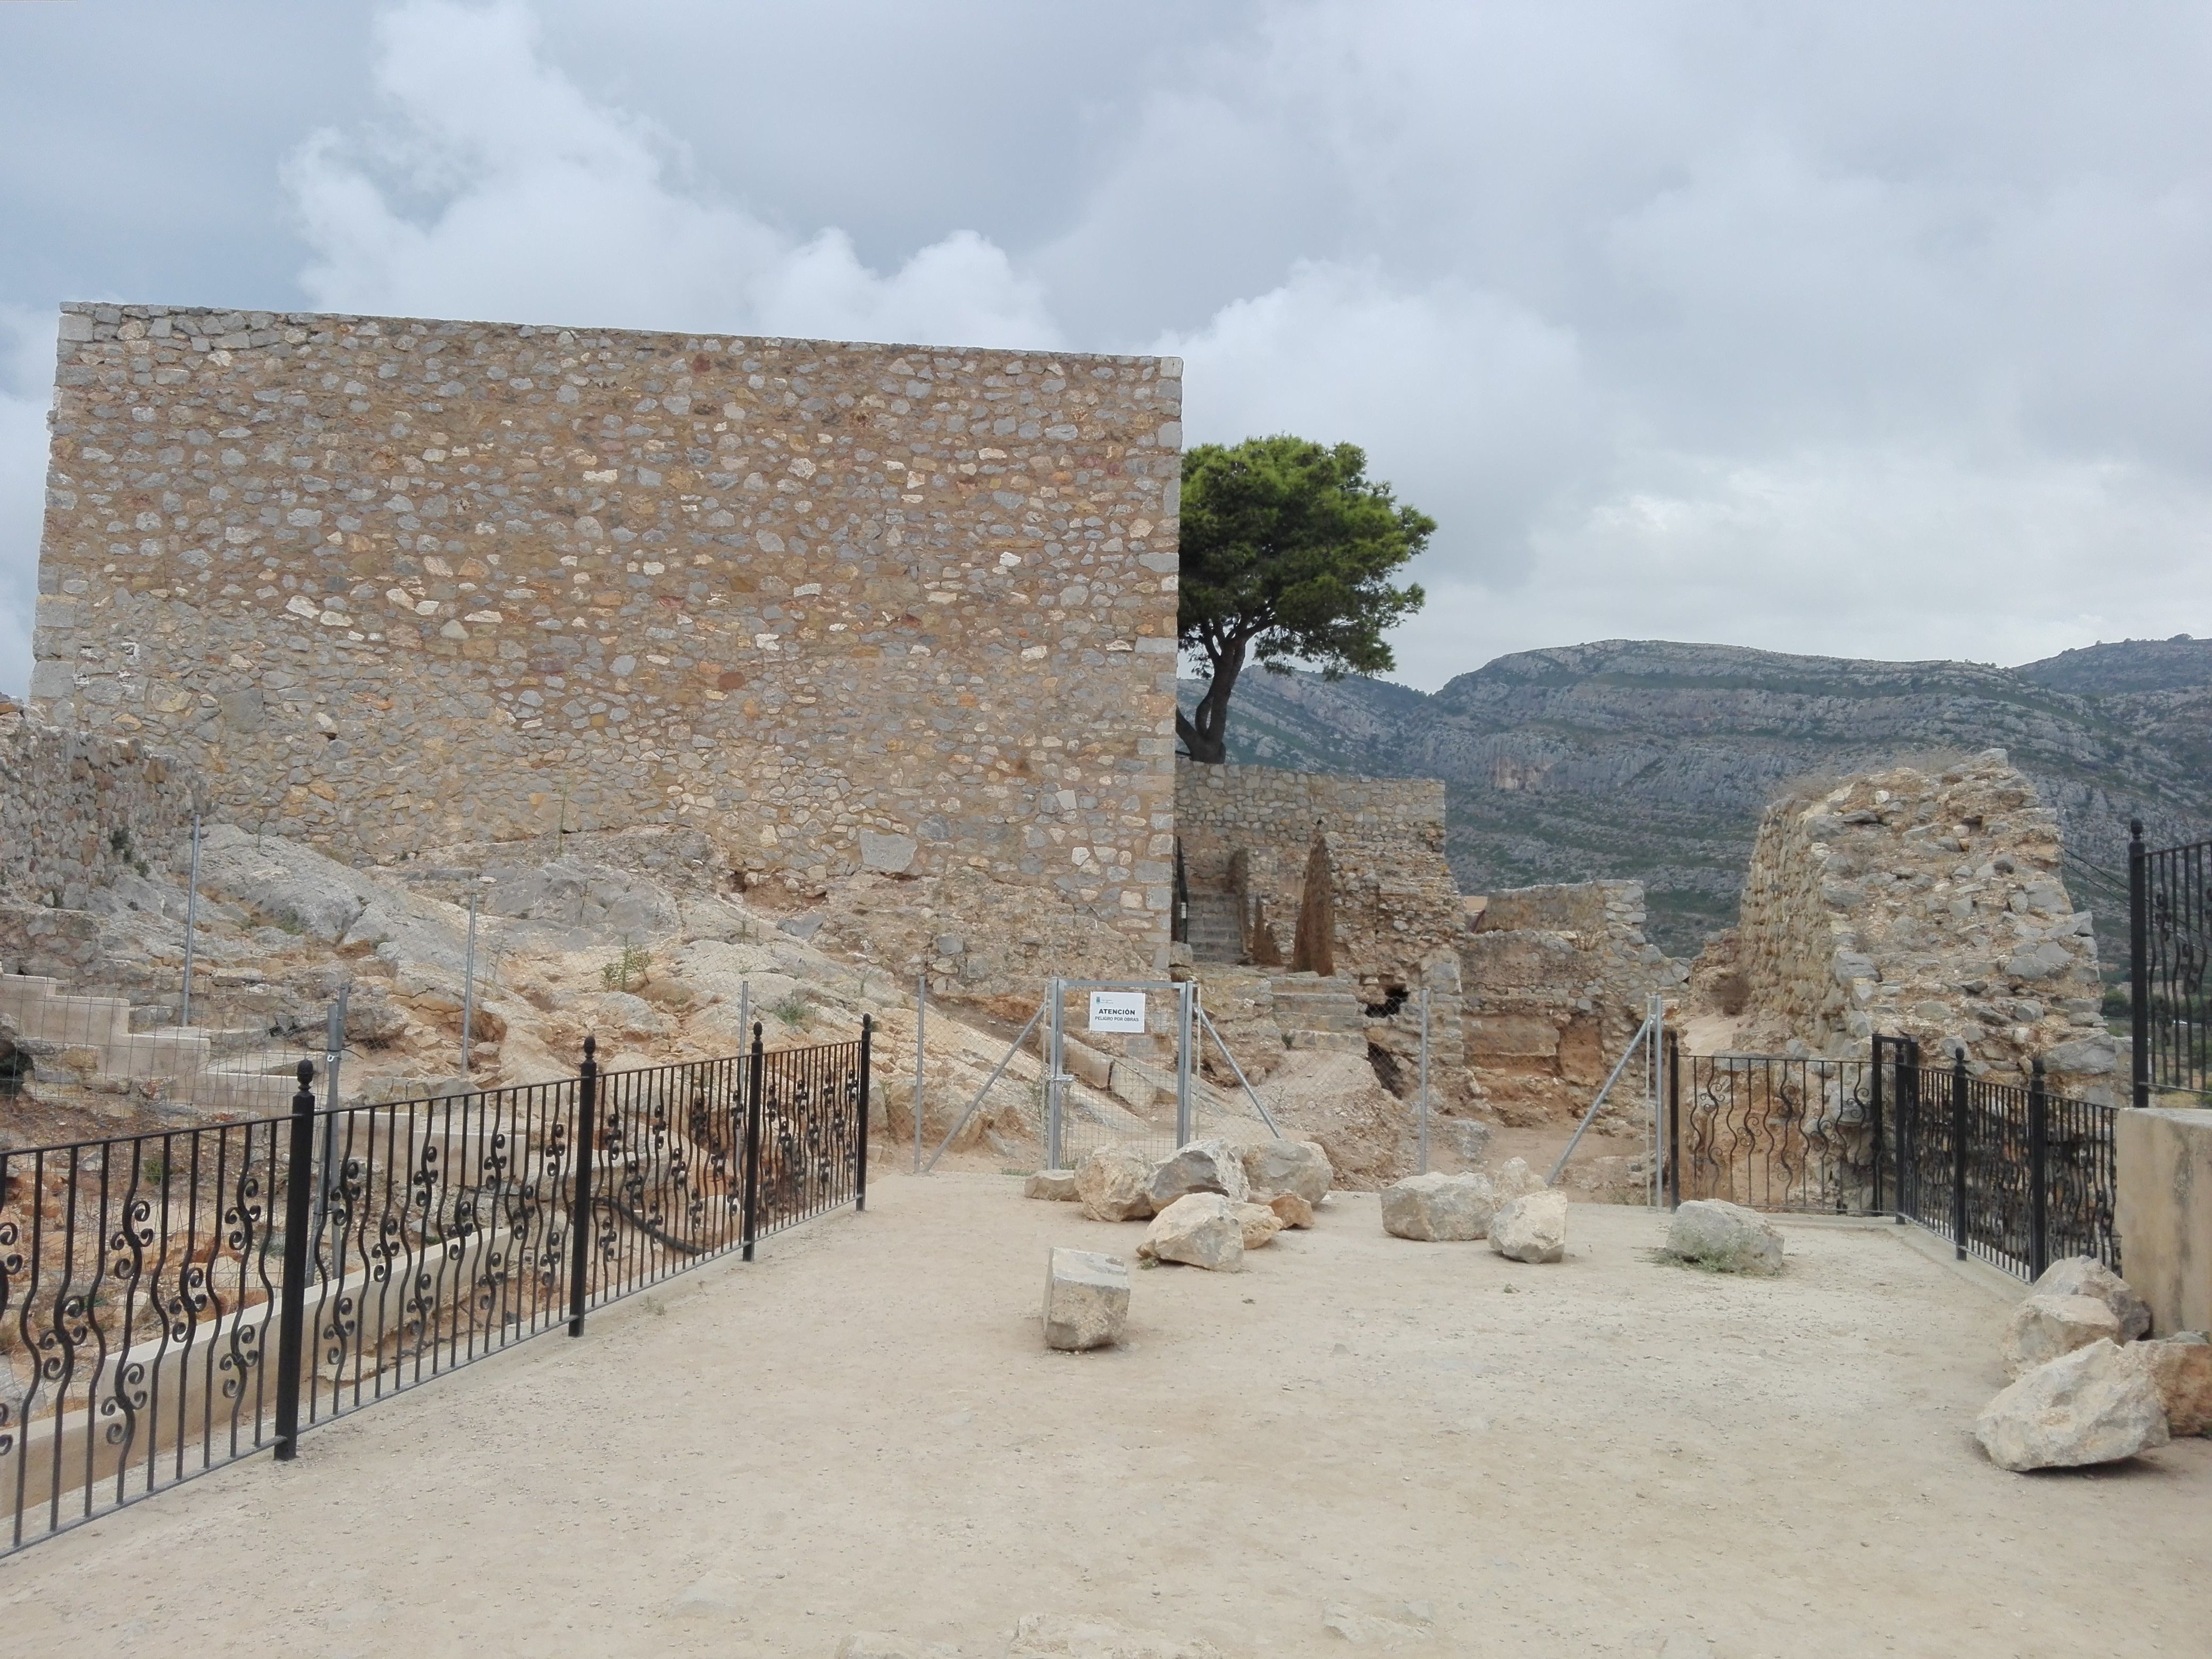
(1212, 928)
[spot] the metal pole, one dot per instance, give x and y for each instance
(744, 1008)
(469, 987)
(921, 1019)
(1205, 1024)
(860, 1167)
(1674, 1122)
(756, 1070)
(1875, 1105)
(1421, 1112)
(2139, 963)
(1612, 1078)
(191, 922)
(1658, 1078)
(1959, 1153)
(1005, 1059)
(1186, 999)
(580, 1215)
(1054, 1089)
(299, 1185)
(2038, 1170)
(333, 1051)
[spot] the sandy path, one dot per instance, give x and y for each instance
(862, 1431)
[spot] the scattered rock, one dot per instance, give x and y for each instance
(1051, 1635)
(1468, 1139)
(2042, 1328)
(1202, 1166)
(1367, 1630)
(710, 1598)
(2084, 1276)
(1725, 1237)
(1056, 1186)
(2092, 1405)
(1086, 1299)
(1288, 1166)
(2180, 1368)
(1436, 1207)
(1201, 1229)
(1531, 1228)
(1293, 1210)
(1110, 1183)
(1258, 1223)
(1514, 1177)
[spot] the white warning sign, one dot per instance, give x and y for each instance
(1118, 1011)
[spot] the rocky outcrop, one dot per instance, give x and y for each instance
(2092, 1405)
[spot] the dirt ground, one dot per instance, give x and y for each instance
(1435, 1449)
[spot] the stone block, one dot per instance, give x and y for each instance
(1111, 1184)
(2092, 1405)
(892, 854)
(1199, 1229)
(2164, 1212)
(2180, 1368)
(1288, 1166)
(1202, 1166)
(1086, 1299)
(2042, 1328)
(1437, 1208)
(2084, 1276)
(1531, 1228)
(1054, 1186)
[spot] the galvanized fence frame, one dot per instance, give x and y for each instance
(373, 1248)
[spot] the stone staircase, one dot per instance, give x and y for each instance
(1215, 930)
(1314, 1013)
(199, 1066)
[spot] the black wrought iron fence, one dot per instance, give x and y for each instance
(2170, 965)
(148, 1284)
(1773, 1132)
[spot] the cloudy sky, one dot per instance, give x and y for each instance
(1882, 330)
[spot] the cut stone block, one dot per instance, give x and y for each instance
(1435, 1208)
(1054, 1186)
(1086, 1299)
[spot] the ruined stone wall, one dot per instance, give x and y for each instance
(1928, 906)
(76, 809)
(1554, 981)
(394, 585)
(1396, 905)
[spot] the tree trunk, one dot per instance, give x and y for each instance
(1204, 732)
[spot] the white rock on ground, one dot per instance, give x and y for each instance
(2180, 1368)
(1293, 1210)
(2084, 1276)
(1531, 1228)
(1199, 1229)
(1287, 1166)
(1086, 1299)
(1054, 1186)
(1435, 1208)
(2092, 1405)
(1051, 1635)
(2042, 1328)
(1110, 1182)
(1725, 1237)
(1514, 1177)
(1200, 1166)
(1258, 1225)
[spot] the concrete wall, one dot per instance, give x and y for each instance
(394, 585)
(2164, 1212)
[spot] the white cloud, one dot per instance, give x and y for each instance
(499, 190)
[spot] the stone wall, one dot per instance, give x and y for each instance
(1396, 907)
(1929, 906)
(393, 585)
(1554, 981)
(77, 808)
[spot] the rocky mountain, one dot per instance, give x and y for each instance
(1653, 760)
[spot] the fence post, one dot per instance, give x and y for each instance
(1674, 1122)
(1186, 1029)
(580, 1215)
(191, 923)
(2039, 1168)
(756, 1075)
(920, 1025)
(1054, 1090)
(860, 1177)
(1873, 1107)
(299, 1203)
(1959, 1153)
(1424, 1107)
(2138, 964)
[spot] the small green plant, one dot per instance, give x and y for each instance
(119, 839)
(155, 1170)
(794, 1010)
(632, 963)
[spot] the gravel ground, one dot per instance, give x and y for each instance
(1431, 1448)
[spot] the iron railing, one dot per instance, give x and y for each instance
(2170, 958)
(146, 1281)
(2019, 1177)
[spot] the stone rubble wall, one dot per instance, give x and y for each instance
(1397, 907)
(1928, 906)
(1554, 981)
(78, 809)
(390, 585)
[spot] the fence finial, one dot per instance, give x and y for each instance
(590, 1045)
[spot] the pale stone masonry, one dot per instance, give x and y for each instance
(393, 584)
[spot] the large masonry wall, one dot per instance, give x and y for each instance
(393, 584)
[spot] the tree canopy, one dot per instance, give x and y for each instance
(1287, 548)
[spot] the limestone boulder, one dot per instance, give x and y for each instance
(2042, 1328)
(1724, 1237)
(1531, 1228)
(1291, 1210)
(2084, 1276)
(1054, 1186)
(1199, 1229)
(1436, 1208)
(1202, 1166)
(2180, 1368)
(1287, 1166)
(1514, 1177)
(1258, 1225)
(1086, 1299)
(2092, 1405)
(1111, 1184)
